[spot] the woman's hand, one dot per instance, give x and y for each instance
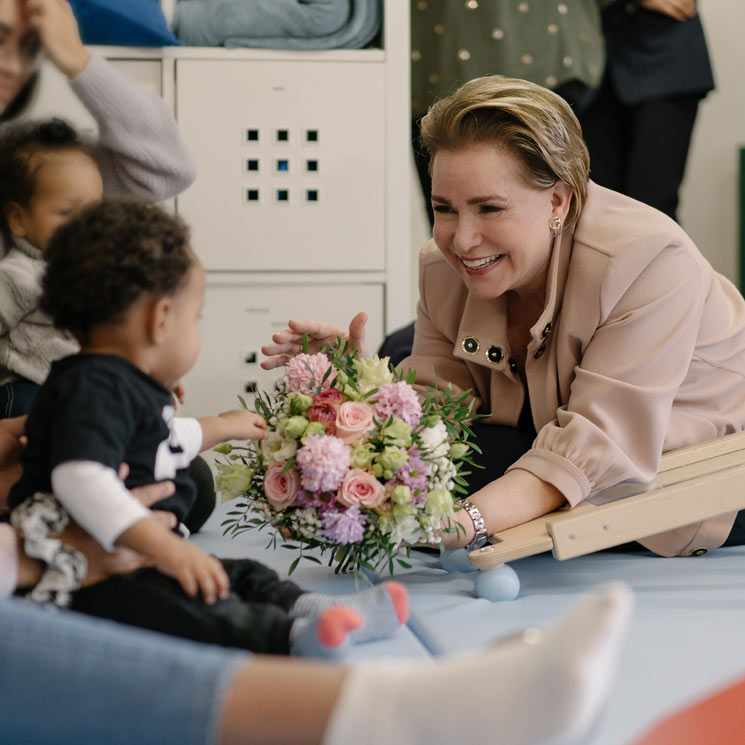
(289, 342)
(58, 32)
(680, 10)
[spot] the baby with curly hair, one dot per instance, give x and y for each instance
(124, 281)
(46, 176)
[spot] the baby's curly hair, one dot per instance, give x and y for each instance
(18, 168)
(109, 255)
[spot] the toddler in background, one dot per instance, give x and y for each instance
(124, 281)
(46, 175)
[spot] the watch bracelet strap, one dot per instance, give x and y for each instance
(479, 524)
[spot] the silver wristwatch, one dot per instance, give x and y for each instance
(480, 534)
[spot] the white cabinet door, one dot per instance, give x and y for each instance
(240, 317)
(290, 163)
(55, 98)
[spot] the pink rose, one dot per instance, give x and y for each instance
(353, 420)
(280, 489)
(360, 487)
(325, 414)
(331, 397)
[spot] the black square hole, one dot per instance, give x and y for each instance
(311, 165)
(311, 195)
(252, 164)
(252, 195)
(283, 135)
(311, 135)
(251, 386)
(283, 195)
(252, 135)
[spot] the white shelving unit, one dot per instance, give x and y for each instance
(301, 204)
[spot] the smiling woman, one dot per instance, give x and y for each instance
(591, 331)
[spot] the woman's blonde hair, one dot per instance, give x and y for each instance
(532, 122)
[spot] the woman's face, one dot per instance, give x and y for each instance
(19, 51)
(490, 224)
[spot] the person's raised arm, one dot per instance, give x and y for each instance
(139, 148)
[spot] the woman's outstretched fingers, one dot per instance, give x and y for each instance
(357, 333)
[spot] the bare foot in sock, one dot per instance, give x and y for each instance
(531, 690)
(383, 609)
(326, 636)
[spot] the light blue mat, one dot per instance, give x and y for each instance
(687, 636)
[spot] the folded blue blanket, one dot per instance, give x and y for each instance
(278, 24)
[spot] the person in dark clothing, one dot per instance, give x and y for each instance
(638, 128)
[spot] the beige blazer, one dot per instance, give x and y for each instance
(640, 349)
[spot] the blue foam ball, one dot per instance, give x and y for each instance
(497, 584)
(456, 561)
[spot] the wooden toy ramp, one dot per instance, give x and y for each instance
(693, 483)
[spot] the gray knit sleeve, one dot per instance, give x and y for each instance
(20, 290)
(139, 148)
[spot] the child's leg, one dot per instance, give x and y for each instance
(383, 609)
(150, 600)
(255, 582)
(153, 601)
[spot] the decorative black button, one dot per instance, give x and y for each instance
(547, 329)
(539, 352)
(699, 551)
(512, 364)
(494, 354)
(470, 345)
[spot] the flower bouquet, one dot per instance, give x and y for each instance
(356, 462)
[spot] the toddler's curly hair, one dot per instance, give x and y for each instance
(19, 143)
(109, 255)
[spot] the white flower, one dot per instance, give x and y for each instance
(405, 528)
(278, 449)
(373, 372)
(442, 474)
(434, 440)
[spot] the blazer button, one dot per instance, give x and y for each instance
(494, 354)
(547, 329)
(700, 551)
(539, 352)
(512, 364)
(470, 345)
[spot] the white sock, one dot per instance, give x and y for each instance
(514, 693)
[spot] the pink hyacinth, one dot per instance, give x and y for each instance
(305, 373)
(400, 400)
(344, 526)
(323, 461)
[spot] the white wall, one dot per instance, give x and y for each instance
(709, 196)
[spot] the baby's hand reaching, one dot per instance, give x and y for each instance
(245, 425)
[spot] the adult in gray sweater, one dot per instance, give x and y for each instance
(138, 148)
